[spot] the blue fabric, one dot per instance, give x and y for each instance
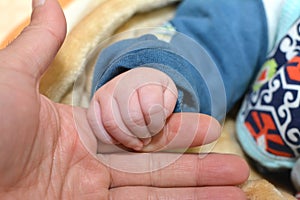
(290, 13)
(151, 52)
(234, 33)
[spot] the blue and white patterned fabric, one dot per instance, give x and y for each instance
(268, 124)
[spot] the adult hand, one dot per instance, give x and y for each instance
(42, 156)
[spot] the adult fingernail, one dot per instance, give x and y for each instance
(213, 132)
(37, 3)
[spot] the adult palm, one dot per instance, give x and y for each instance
(42, 156)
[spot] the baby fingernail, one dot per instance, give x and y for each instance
(36, 3)
(137, 145)
(146, 141)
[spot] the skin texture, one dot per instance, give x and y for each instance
(43, 157)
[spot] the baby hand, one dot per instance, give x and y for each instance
(132, 108)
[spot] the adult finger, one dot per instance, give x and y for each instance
(181, 131)
(161, 170)
(184, 130)
(195, 193)
(32, 52)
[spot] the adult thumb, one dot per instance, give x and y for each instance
(35, 48)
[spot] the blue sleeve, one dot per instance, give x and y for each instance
(219, 48)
